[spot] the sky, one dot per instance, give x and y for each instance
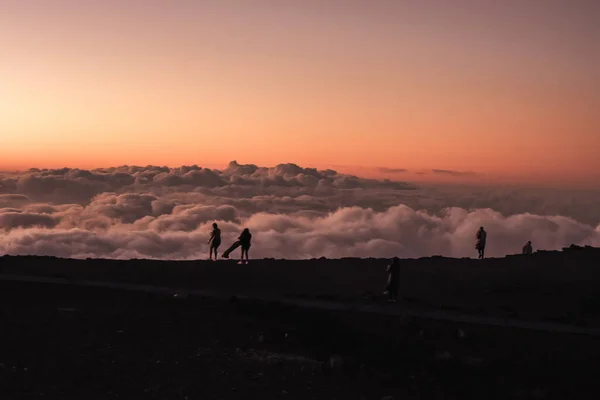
(507, 89)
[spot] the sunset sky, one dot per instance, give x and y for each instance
(508, 88)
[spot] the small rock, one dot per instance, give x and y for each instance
(461, 334)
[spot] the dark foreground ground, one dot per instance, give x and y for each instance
(559, 287)
(60, 341)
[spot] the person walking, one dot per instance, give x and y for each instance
(393, 282)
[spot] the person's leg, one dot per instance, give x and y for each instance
(242, 256)
(388, 288)
(210, 252)
(394, 291)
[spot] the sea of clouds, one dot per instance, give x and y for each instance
(293, 212)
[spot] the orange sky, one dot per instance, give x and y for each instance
(510, 89)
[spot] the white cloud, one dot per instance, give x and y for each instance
(293, 212)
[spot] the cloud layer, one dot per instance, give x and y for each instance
(293, 212)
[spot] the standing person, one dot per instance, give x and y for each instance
(393, 283)
(528, 249)
(244, 241)
(214, 241)
(481, 238)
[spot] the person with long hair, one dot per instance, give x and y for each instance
(244, 241)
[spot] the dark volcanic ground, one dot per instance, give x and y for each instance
(59, 341)
(554, 286)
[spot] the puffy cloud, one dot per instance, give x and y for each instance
(13, 200)
(189, 218)
(125, 208)
(347, 232)
(11, 219)
(293, 212)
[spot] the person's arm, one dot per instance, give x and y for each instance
(212, 236)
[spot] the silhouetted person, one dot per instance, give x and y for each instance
(393, 283)
(214, 241)
(481, 238)
(528, 249)
(244, 241)
(245, 238)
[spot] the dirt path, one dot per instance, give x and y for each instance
(392, 310)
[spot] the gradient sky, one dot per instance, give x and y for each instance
(501, 87)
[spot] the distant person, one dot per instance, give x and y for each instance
(393, 282)
(214, 241)
(244, 241)
(528, 249)
(481, 239)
